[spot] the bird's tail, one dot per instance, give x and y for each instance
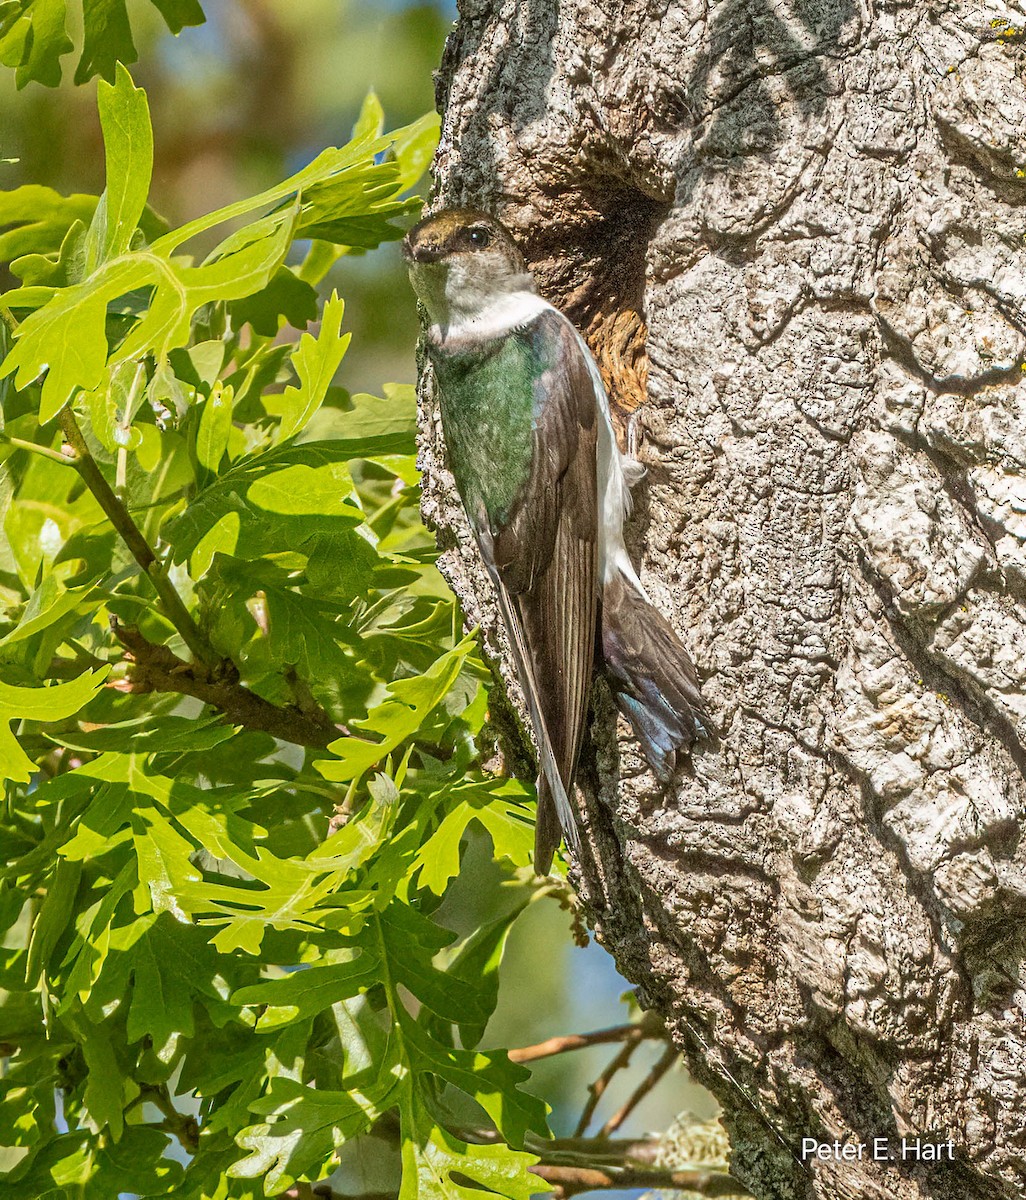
(653, 679)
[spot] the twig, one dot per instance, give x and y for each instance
(597, 1088)
(575, 1041)
(21, 444)
(570, 1165)
(119, 516)
(181, 1126)
(158, 669)
(666, 1061)
(569, 1181)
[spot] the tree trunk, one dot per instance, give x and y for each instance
(798, 226)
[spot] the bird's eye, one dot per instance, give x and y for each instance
(479, 237)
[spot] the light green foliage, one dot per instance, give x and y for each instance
(34, 36)
(181, 931)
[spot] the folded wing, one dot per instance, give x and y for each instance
(544, 558)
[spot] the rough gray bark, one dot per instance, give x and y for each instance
(816, 208)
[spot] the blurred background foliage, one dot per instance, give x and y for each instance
(237, 104)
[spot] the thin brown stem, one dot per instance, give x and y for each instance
(569, 1181)
(572, 1180)
(119, 516)
(597, 1089)
(574, 1041)
(666, 1060)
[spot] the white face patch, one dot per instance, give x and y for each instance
(474, 296)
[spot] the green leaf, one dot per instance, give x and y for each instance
(414, 146)
(371, 120)
(437, 1165)
(27, 1114)
(54, 703)
(107, 41)
(309, 1123)
(179, 13)
(315, 361)
(54, 915)
(363, 834)
(371, 426)
(128, 147)
(104, 1093)
(36, 220)
(215, 425)
(411, 941)
(165, 861)
(66, 337)
(477, 961)
(301, 490)
(304, 993)
(49, 604)
(487, 1077)
(508, 823)
(340, 173)
(172, 966)
(87, 1166)
(36, 39)
(286, 295)
(152, 734)
(342, 195)
(44, 46)
(410, 703)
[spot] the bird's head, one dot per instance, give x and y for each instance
(461, 262)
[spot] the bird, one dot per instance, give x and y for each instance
(546, 489)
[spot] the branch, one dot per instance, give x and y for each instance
(650, 1025)
(17, 443)
(119, 516)
(666, 1061)
(576, 1041)
(569, 1181)
(180, 1125)
(571, 1165)
(158, 669)
(597, 1088)
(322, 1191)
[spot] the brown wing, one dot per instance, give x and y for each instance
(545, 561)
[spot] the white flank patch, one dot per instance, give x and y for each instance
(613, 486)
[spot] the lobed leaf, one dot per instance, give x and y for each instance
(34, 39)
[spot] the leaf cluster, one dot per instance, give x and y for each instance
(213, 935)
(34, 36)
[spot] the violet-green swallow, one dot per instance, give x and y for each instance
(546, 489)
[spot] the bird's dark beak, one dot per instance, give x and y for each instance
(421, 249)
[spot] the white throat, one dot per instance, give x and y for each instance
(496, 317)
(466, 304)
